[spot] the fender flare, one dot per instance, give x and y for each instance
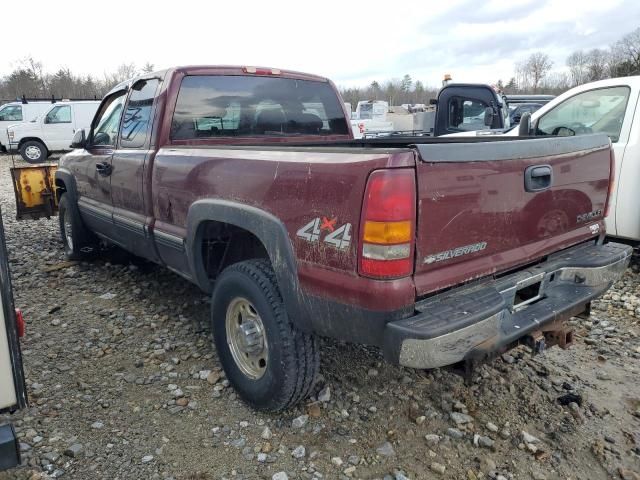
(69, 181)
(268, 229)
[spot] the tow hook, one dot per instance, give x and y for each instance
(536, 341)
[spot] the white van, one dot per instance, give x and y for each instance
(16, 112)
(52, 131)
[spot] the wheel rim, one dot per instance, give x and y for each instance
(32, 152)
(68, 230)
(246, 338)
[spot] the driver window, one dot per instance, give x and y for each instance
(108, 121)
(59, 114)
(595, 111)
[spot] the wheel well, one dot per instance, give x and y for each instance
(29, 139)
(222, 244)
(60, 188)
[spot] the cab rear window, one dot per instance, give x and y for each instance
(246, 106)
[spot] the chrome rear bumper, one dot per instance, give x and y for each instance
(474, 321)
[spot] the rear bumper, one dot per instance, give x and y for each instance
(478, 320)
(9, 451)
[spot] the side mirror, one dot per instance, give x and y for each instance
(488, 116)
(433, 101)
(101, 138)
(563, 132)
(524, 129)
(79, 139)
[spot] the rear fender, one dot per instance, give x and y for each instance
(268, 229)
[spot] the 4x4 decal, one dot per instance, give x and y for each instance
(339, 237)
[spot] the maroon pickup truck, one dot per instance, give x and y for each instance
(247, 182)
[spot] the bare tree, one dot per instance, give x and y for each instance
(629, 47)
(418, 93)
(392, 89)
(124, 72)
(522, 80)
(597, 61)
(577, 63)
(375, 88)
(537, 66)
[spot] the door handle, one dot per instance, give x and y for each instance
(103, 168)
(538, 178)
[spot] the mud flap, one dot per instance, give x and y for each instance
(34, 188)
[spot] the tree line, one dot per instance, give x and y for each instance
(29, 79)
(533, 74)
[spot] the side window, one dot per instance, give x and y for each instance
(137, 117)
(59, 114)
(595, 111)
(107, 121)
(466, 114)
(11, 113)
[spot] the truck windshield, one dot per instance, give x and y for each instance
(246, 106)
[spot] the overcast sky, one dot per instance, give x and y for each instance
(352, 42)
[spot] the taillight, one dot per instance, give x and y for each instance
(20, 323)
(387, 228)
(612, 179)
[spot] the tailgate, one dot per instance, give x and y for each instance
(486, 207)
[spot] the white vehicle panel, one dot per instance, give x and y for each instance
(8, 397)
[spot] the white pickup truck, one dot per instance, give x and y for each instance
(370, 118)
(609, 106)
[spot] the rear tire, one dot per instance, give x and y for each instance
(78, 241)
(270, 363)
(34, 151)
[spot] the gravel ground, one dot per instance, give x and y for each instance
(124, 383)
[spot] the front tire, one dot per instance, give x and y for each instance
(78, 241)
(270, 363)
(33, 151)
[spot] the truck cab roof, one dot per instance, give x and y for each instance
(222, 70)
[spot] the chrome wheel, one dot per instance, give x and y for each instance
(246, 338)
(68, 230)
(32, 152)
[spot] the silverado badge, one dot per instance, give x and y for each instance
(455, 252)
